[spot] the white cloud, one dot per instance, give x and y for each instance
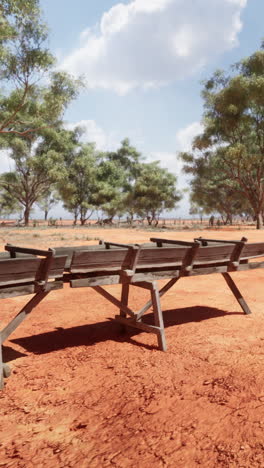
(6, 163)
(185, 136)
(150, 43)
(171, 161)
(93, 133)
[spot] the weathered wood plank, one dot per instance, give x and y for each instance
(141, 276)
(161, 241)
(105, 260)
(124, 298)
(70, 250)
(95, 281)
(115, 260)
(220, 241)
(110, 260)
(1, 365)
(214, 253)
(141, 325)
(237, 293)
(15, 270)
(158, 317)
(253, 250)
(156, 256)
(26, 250)
(23, 290)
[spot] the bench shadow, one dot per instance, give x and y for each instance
(88, 335)
(10, 354)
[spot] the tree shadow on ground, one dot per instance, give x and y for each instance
(88, 335)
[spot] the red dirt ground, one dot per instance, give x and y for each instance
(83, 395)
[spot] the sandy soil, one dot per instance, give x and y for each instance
(83, 395)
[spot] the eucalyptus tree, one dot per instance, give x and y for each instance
(78, 188)
(8, 204)
(234, 129)
(48, 201)
(154, 192)
(32, 94)
(111, 182)
(210, 190)
(35, 171)
(117, 173)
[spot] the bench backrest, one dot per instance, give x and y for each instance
(116, 259)
(22, 270)
(214, 253)
(253, 250)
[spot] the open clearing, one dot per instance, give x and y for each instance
(83, 395)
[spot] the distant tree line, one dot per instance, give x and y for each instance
(56, 165)
(50, 162)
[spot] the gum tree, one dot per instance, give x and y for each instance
(32, 95)
(234, 129)
(154, 192)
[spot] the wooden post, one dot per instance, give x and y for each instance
(124, 300)
(1, 365)
(124, 297)
(158, 316)
(237, 293)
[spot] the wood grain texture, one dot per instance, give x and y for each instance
(23, 270)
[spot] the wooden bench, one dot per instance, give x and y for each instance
(125, 264)
(143, 265)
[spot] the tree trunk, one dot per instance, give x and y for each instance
(259, 219)
(75, 218)
(26, 215)
(46, 215)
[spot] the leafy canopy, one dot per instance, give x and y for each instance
(233, 137)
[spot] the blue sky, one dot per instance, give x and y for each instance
(144, 61)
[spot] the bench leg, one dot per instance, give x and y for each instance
(124, 301)
(158, 317)
(135, 319)
(124, 297)
(11, 326)
(237, 293)
(1, 366)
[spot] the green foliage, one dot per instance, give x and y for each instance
(154, 192)
(35, 171)
(49, 199)
(111, 180)
(8, 204)
(78, 188)
(232, 144)
(211, 191)
(116, 174)
(25, 104)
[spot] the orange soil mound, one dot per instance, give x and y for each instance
(83, 395)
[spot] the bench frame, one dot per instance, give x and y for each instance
(130, 277)
(132, 274)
